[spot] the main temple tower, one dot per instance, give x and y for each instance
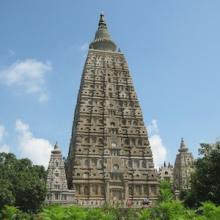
(110, 159)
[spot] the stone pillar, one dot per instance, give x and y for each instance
(90, 190)
(81, 191)
(107, 192)
(126, 191)
(149, 190)
(99, 190)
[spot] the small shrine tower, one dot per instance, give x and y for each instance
(56, 180)
(183, 168)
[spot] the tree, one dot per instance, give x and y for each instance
(165, 190)
(6, 196)
(22, 184)
(205, 182)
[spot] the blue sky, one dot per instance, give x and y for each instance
(173, 52)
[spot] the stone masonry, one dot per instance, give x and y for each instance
(110, 158)
(166, 172)
(183, 168)
(56, 180)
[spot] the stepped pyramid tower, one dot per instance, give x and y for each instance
(183, 168)
(110, 159)
(56, 180)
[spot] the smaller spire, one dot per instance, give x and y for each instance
(164, 164)
(183, 147)
(56, 147)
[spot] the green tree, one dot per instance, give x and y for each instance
(205, 181)
(22, 184)
(10, 212)
(6, 195)
(165, 191)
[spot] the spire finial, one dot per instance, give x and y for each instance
(102, 20)
(102, 39)
(56, 146)
(183, 147)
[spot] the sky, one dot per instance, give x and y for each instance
(172, 49)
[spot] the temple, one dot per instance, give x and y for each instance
(58, 192)
(110, 158)
(183, 168)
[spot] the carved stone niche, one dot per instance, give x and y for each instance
(77, 162)
(110, 104)
(99, 72)
(107, 176)
(86, 163)
(112, 122)
(152, 175)
(99, 163)
(125, 176)
(78, 172)
(131, 130)
(93, 150)
(122, 152)
(114, 141)
(108, 60)
(116, 163)
(147, 152)
(118, 62)
(91, 59)
(99, 60)
(135, 152)
(138, 113)
(89, 77)
(142, 131)
(136, 175)
(106, 152)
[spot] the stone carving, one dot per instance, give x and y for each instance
(183, 168)
(110, 159)
(58, 191)
(166, 172)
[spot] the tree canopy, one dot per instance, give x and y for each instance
(205, 182)
(22, 184)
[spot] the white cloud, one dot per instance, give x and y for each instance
(37, 149)
(29, 75)
(158, 149)
(153, 127)
(3, 147)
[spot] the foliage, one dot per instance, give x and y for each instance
(13, 213)
(165, 190)
(210, 211)
(10, 212)
(144, 214)
(166, 210)
(6, 195)
(77, 213)
(171, 210)
(205, 183)
(22, 184)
